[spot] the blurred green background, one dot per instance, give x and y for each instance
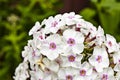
(105, 13)
(16, 19)
(18, 16)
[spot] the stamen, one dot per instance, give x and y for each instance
(99, 59)
(52, 46)
(71, 58)
(71, 41)
(53, 24)
(82, 72)
(69, 77)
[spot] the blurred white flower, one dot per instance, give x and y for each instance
(70, 18)
(116, 59)
(37, 74)
(100, 38)
(111, 44)
(53, 24)
(22, 71)
(35, 28)
(118, 75)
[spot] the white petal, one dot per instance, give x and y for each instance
(69, 33)
(35, 28)
(52, 55)
(61, 74)
(78, 48)
(117, 67)
(79, 38)
(54, 38)
(99, 68)
(54, 66)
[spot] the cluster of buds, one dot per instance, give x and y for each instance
(66, 47)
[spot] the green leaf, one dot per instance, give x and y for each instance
(88, 13)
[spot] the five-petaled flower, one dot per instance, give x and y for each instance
(52, 46)
(73, 41)
(99, 58)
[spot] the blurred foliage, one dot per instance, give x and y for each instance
(16, 19)
(105, 13)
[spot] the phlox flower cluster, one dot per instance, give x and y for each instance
(66, 47)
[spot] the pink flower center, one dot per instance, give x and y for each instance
(119, 61)
(82, 72)
(110, 43)
(69, 77)
(53, 24)
(33, 53)
(71, 58)
(52, 46)
(71, 41)
(104, 77)
(70, 17)
(78, 25)
(99, 59)
(41, 37)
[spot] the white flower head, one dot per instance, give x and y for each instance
(70, 18)
(66, 47)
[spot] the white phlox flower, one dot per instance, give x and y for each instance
(84, 72)
(107, 74)
(116, 59)
(100, 38)
(86, 27)
(52, 47)
(35, 28)
(67, 73)
(73, 41)
(70, 18)
(99, 58)
(53, 24)
(21, 71)
(111, 44)
(73, 60)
